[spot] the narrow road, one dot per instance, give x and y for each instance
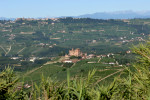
(50, 62)
(31, 71)
(108, 76)
(21, 50)
(73, 65)
(99, 60)
(3, 49)
(8, 50)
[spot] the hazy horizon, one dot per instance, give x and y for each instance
(56, 8)
(111, 12)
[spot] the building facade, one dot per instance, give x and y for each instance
(75, 52)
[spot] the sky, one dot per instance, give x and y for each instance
(55, 8)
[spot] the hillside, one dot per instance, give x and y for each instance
(107, 68)
(50, 37)
(33, 46)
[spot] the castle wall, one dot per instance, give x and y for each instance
(75, 52)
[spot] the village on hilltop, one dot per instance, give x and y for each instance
(76, 53)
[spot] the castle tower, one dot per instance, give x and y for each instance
(75, 52)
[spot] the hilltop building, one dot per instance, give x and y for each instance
(79, 55)
(76, 52)
(70, 61)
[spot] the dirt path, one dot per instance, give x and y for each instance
(99, 60)
(21, 50)
(50, 62)
(108, 76)
(8, 50)
(32, 71)
(3, 49)
(73, 65)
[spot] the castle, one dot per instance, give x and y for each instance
(75, 52)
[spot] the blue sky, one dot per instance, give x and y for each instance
(54, 8)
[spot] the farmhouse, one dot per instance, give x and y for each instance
(70, 61)
(67, 61)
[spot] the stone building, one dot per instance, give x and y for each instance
(75, 52)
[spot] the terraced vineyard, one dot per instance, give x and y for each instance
(58, 71)
(27, 38)
(49, 37)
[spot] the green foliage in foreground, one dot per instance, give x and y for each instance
(134, 87)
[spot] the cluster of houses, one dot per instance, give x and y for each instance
(31, 59)
(77, 53)
(74, 52)
(31, 19)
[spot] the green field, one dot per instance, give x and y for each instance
(59, 72)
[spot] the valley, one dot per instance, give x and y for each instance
(39, 46)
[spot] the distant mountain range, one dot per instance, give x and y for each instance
(106, 15)
(117, 15)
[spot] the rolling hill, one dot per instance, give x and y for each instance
(50, 37)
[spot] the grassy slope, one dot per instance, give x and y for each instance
(81, 68)
(77, 33)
